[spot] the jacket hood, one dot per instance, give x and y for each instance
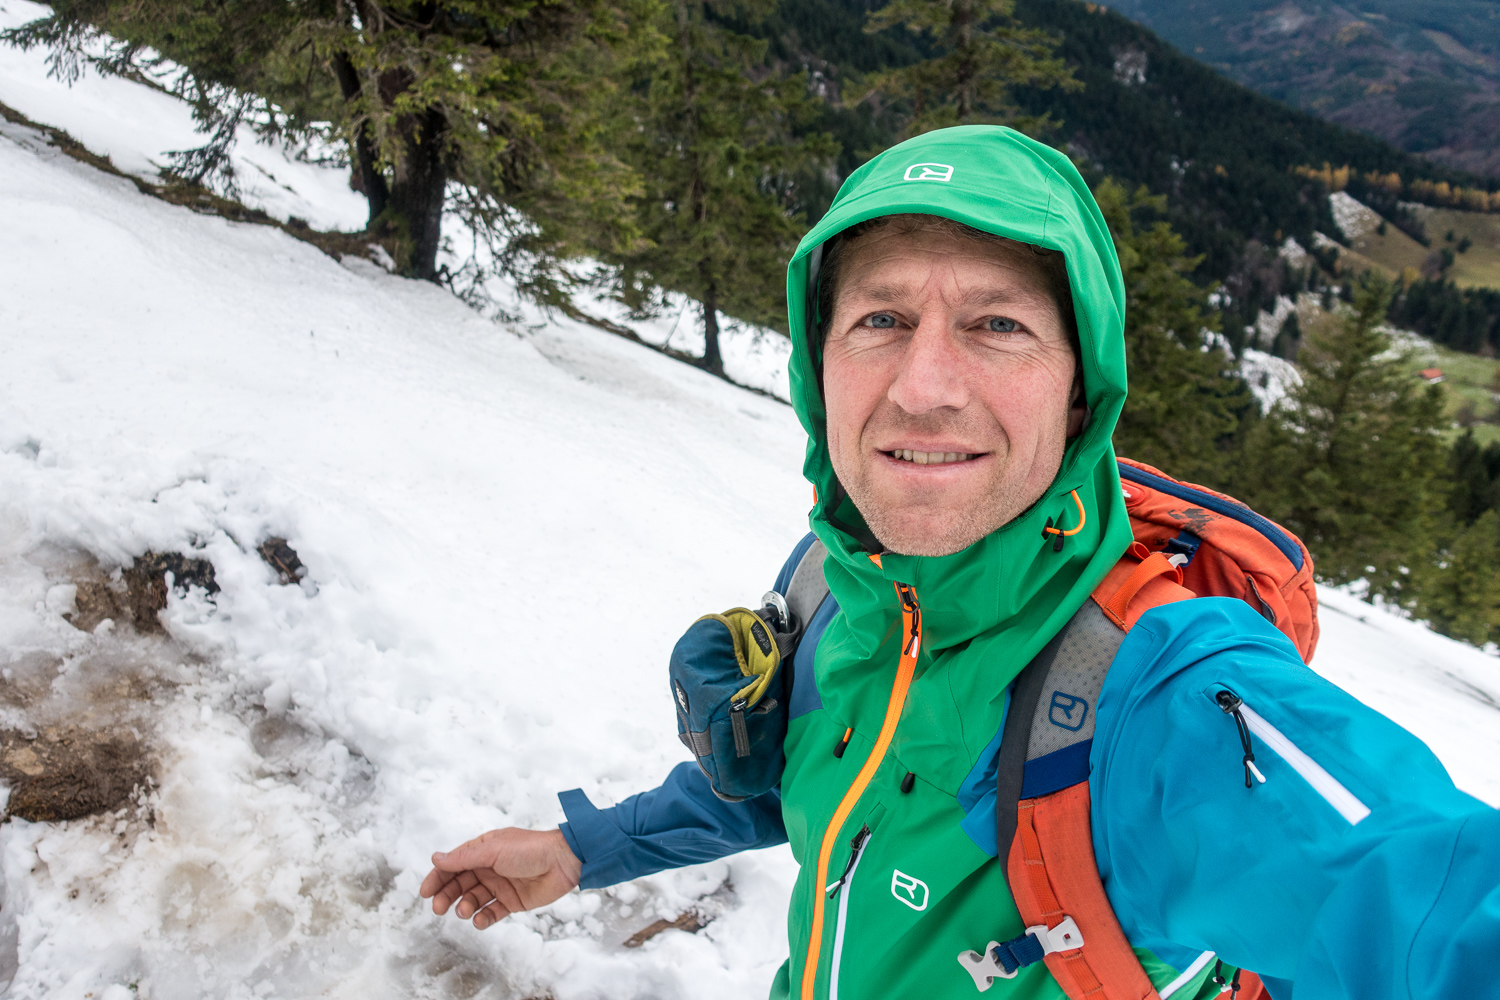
(1006, 595)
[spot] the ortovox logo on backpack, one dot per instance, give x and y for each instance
(911, 891)
(1067, 711)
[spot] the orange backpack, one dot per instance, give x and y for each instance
(1189, 542)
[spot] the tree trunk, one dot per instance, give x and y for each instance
(712, 360)
(371, 183)
(964, 17)
(415, 208)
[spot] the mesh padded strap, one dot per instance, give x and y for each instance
(808, 588)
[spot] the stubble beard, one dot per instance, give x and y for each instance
(916, 529)
(934, 521)
(937, 523)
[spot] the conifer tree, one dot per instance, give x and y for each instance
(715, 138)
(1460, 589)
(490, 95)
(981, 53)
(1186, 400)
(1475, 476)
(1352, 460)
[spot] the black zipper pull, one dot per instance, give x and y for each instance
(843, 744)
(1230, 703)
(737, 723)
(910, 605)
(855, 846)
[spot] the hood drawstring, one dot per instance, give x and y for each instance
(1232, 987)
(1058, 533)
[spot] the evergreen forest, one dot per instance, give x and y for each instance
(652, 147)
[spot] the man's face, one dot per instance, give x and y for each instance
(949, 382)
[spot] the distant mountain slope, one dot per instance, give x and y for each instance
(1148, 114)
(1422, 74)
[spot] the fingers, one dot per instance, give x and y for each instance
(493, 900)
(451, 890)
(481, 852)
(491, 914)
(474, 900)
(499, 873)
(434, 882)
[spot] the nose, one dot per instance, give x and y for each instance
(932, 372)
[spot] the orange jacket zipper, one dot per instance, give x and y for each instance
(911, 641)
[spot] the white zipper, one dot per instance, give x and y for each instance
(843, 885)
(1325, 784)
(1188, 975)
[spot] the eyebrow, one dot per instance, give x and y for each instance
(890, 292)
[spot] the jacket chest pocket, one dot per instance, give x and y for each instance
(897, 868)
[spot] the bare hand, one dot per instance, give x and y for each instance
(500, 873)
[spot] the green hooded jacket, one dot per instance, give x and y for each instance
(922, 891)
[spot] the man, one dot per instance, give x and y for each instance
(959, 367)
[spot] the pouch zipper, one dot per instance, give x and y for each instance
(1326, 785)
(911, 643)
(844, 884)
(737, 726)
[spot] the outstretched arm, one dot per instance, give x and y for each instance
(679, 823)
(1354, 871)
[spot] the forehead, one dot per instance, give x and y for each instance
(893, 261)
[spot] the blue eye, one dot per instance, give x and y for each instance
(882, 321)
(999, 324)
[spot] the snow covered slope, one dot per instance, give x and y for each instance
(506, 528)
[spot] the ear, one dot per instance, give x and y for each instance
(1079, 413)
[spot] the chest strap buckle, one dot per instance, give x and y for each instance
(1004, 961)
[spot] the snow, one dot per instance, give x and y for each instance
(1269, 323)
(506, 530)
(506, 526)
(1270, 377)
(1291, 251)
(138, 128)
(1353, 217)
(1322, 242)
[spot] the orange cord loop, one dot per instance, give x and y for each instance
(1059, 532)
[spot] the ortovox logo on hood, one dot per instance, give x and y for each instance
(929, 172)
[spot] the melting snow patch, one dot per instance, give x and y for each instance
(1353, 217)
(1270, 377)
(1291, 251)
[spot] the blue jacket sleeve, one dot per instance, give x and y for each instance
(679, 823)
(1354, 870)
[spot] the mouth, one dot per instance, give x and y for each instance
(931, 457)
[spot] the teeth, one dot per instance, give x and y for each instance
(930, 457)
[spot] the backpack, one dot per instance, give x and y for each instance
(1189, 541)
